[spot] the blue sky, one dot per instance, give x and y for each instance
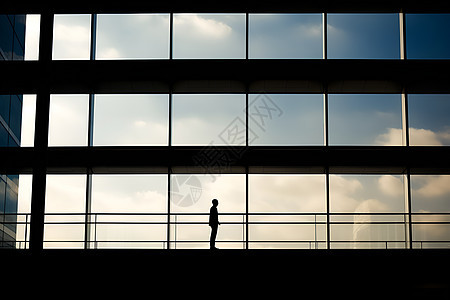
(223, 36)
(427, 36)
(363, 36)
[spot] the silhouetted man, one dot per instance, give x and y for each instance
(214, 223)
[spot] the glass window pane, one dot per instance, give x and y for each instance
(15, 203)
(132, 36)
(71, 37)
(131, 120)
(129, 211)
(65, 202)
(32, 37)
(363, 36)
(208, 118)
(28, 120)
(287, 193)
(191, 197)
(367, 194)
(427, 36)
(365, 120)
(285, 36)
(7, 34)
(68, 121)
(23, 210)
(286, 119)
(17, 115)
(430, 193)
(429, 124)
(209, 36)
(129, 193)
(430, 202)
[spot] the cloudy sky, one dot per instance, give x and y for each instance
(202, 119)
(267, 193)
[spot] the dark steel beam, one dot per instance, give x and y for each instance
(433, 160)
(226, 7)
(235, 76)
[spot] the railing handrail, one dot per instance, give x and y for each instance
(236, 213)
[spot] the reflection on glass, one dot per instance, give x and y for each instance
(427, 36)
(209, 35)
(135, 207)
(287, 194)
(12, 33)
(65, 194)
(191, 197)
(129, 193)
(430, 193)
(15, 203)
(208, 118)
(365, 120)
(23, 211)
(286, 119)
(68, 121)
(367, 193)
(11, 116)
(429, 124)
(363, 36)
(132, 36)
(131, 120)
(285, 36)
(362, 194)
(71, 37)
(17, 115)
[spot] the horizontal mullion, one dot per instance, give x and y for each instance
(282, 159)
(227, 76)
(220, 7)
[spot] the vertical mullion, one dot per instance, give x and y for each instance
(87, 228)
(171, 36)
(246, 207)
(327, 189)
(168, 206)
(408, 203)
(325, 117)
(41, 137)
(325, 35)
(246, 34)
(169, 142)
(405, 120)
(402, 27)
(93, 36)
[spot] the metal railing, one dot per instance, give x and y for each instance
(348, 230)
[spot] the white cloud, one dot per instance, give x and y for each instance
(109, 53)
(390, 138)
(435, 186)
(71, 41)
(341, 193)
(192, 24)
(287, 193)
(418, 137)
(391, 185)
(309, 30)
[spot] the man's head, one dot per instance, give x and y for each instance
(215, 202)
